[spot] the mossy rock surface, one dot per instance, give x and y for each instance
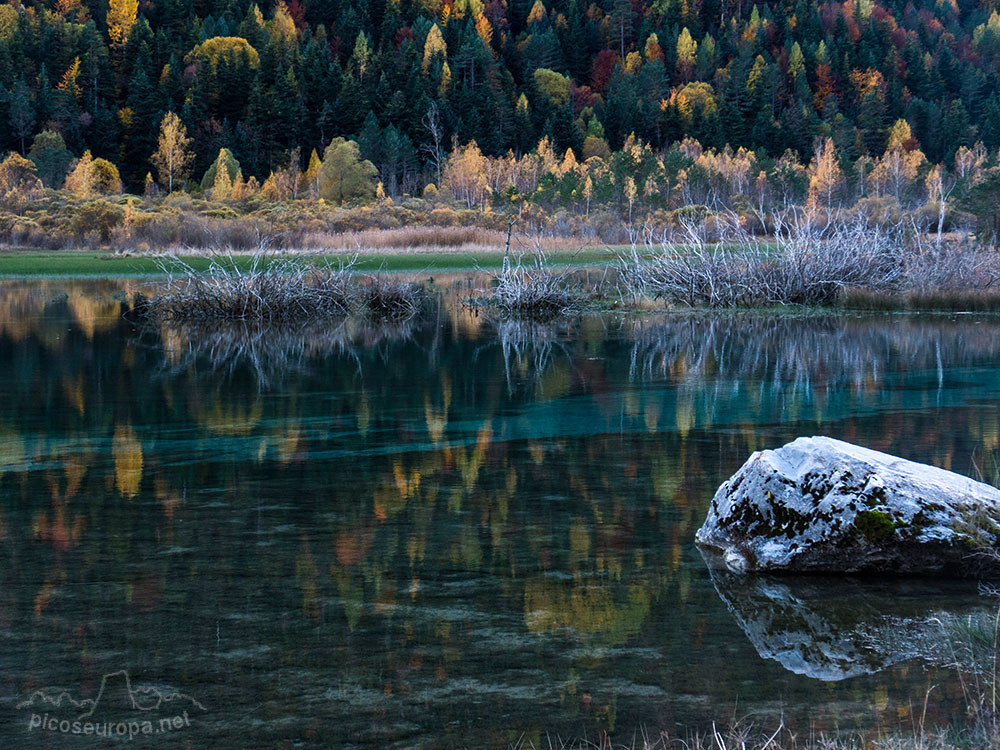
(820, 505)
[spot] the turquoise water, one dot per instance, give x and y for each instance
(449, 530)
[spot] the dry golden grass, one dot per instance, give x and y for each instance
(422, 239)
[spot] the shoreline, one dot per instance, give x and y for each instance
(15, 264)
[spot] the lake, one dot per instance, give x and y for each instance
(451, 530)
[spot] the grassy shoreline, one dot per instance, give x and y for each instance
(78, 263)
(24, 264)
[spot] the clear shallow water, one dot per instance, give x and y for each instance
(360, 536)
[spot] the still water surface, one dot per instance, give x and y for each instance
(448, 531)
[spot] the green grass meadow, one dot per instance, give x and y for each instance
(79, 263)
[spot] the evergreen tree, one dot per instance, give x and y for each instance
(51, 158)
(21, 112)
(872, 120)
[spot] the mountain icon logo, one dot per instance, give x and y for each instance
(120, 708)
(117, 693)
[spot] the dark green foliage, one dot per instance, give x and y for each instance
(302, 84)
(983, 200)
(51, 157)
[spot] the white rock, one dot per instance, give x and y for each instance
(823, 505)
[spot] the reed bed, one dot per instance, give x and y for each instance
(406, 239)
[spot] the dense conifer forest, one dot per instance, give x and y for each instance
(407, 80)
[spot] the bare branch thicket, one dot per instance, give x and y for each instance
(267, 288)
(385, 296)
(952, 268)
(809, 259)
(532, 290)
(277, 289)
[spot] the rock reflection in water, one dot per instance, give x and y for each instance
(832, 628)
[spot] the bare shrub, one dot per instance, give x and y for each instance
(271, 288)
(533, 292)
(389, 297)
(954, 267)
(806, 261)
(530, 291)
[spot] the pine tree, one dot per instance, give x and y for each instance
(51, 158)
(871, 121)
(22, 113)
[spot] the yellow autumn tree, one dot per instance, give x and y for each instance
(222, 186)
(687, 48)
(537, 13)
(484, 29)
(900, 135)
(463, 174)
(969, 162)
(234, 49)
(77, 181)
(825, 176)
(445, 80)
(120, 20)
(653, 51)
(693, 99)
(18, 179)
(553, 86)
(68, 83)
(173, 157)
(90, 176)
(281, 27)
(630, 195)
(434, 45)
(310, 178)
(896, 170)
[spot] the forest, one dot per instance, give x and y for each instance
(638, 102)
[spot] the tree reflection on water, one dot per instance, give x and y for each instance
(451, 529)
